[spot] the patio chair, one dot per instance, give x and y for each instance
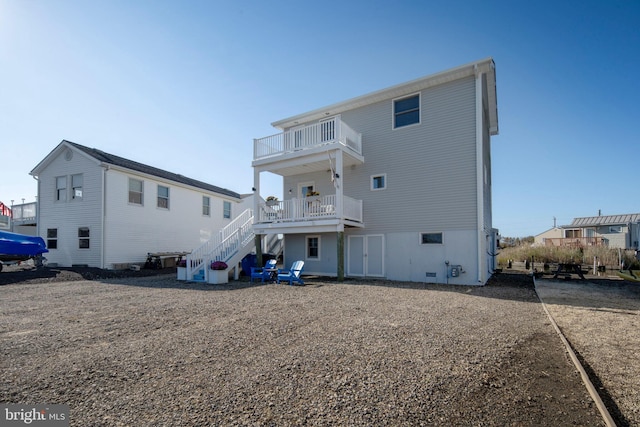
(263, 273)
(293, 274)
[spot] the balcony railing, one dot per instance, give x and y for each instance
(326, 132)
(24, 213)
(575, 242)
(310, 209)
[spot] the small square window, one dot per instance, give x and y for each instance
(431, 238)
(378, 182)
(406, 111)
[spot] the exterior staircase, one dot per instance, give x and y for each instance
(230, 245)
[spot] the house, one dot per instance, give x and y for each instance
(393, 184)
(552, 233)
(101, 210)
(614, 231)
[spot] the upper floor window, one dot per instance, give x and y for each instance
(135, 191)
(226, 209)
(163, 197)
(379, 182)
(406, 111)
(61, 188)
(206, 206)
(76, 186)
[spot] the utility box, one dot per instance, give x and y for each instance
(455, 270)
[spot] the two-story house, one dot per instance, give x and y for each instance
(394, 184)
(102, 210)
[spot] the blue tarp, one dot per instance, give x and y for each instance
(15, 246)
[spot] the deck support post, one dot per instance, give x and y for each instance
(258, 243)
(340, 256)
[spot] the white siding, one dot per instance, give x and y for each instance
(133, 230)
(71, 214)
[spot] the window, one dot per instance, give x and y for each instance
(431, 238)
(226, 209)
(163, 197)
(206, 206)
(406, 111)
(135, 191)
(52, 238)
(378, 182)
(61, 188)
(615, 229)
(313, 247)
(83, 237)
(76, 186)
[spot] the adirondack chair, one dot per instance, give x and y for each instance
(293, 274)
(263, 273)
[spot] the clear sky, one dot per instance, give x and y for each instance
(187, 85)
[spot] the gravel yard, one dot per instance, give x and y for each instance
(124, 351)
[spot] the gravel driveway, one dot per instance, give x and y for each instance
(154, 351)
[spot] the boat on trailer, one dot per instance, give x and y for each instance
(16, 248)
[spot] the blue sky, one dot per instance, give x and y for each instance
(187, 85)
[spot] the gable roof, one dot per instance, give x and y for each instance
(591, 221)
(486, 66)
(111, 159)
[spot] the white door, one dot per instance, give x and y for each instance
(365, 255)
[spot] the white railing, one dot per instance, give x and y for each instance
(326, 132)
(223, 245)
(309, 209)
(24, 212)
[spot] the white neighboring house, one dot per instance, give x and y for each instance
(102, 210)
(394, 184)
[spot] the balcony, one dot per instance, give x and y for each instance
(314, 211)
(575, 242)
(306, 141)
(24, 214)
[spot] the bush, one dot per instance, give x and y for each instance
(556, 254)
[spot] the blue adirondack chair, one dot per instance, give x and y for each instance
(262, 273)
(293, 274)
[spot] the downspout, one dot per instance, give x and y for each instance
(479, 174)
(37, 208)
(103, 215)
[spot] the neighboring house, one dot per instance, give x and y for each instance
(552, 233)
(101, 210)
(23, 219)
(614, 231)
(394, 184)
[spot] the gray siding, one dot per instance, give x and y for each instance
(430, 167)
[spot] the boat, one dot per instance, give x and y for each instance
(16, 247)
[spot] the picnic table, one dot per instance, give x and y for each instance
(569, 268)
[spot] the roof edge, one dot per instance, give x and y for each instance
(486, 65)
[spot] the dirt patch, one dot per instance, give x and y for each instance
(154, 351)
(601, 319)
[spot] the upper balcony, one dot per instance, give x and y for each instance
(305, 142)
